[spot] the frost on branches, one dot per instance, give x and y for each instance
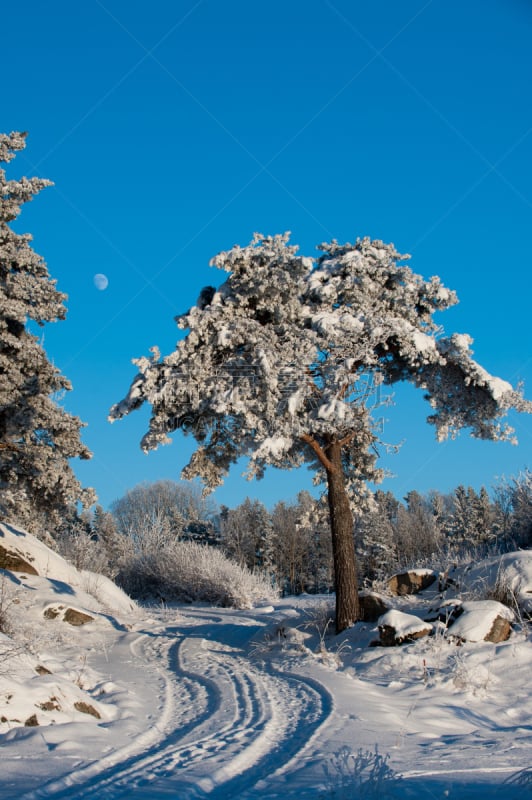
(37, 437)
(282, 363)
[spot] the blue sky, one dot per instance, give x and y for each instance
(173, 130)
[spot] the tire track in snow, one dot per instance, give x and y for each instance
(250, 724)
(191, 694)
(244, 736)
(277, 715)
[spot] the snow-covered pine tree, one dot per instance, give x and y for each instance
(522, 509)
(280, 365)
(376, 541)
(37, 436)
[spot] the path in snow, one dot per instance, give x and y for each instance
(223, 724)
(206, 711)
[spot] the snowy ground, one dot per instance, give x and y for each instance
(199, 702)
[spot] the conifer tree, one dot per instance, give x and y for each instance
(37, 436)
(281, 365)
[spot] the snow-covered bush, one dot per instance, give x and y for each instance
(7, 599)
(191, 572)
(84, 551)
(364, 774)
(505, 578)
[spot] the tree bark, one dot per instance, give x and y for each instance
(343, 544)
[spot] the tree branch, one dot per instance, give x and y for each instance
(307, 438)
(347, 439)
(9, 446)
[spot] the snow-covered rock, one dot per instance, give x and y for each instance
(483, 620)
(396, 627)
(411, 582)
(30, 556)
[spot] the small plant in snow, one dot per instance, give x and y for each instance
(523, 778)
(79, 673)
(320, 618)
(474, 679)
(364, 774)
(12, 641)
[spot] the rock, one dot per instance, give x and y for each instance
(396, 628)
(86, 708)
(372, 606)
(50, 705)
(500, 631)
(411, 582)
(52, 612)
(74, 617)
(15, 562)
(40, 670)
(32, 722)
(71, 615)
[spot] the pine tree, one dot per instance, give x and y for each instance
(116, 547)
(283, 363)
(376, 541)
(461, 527)
(483, 514)
(37, 436)
(522, 509)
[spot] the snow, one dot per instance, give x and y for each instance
(334, 410)
(274, 446)
(420, 571)
(423, 343)
(497, 386)
(295, 401)
(203, 702)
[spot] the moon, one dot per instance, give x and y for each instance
(101, 281)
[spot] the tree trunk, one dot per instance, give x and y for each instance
(343, 544)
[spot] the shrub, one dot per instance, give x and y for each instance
(7, 600)
(364, 774)
(191, 572)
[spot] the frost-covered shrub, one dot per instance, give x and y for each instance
(83, 551)
(190, 572)
(7, 600)
(523, 778)
(364, 774)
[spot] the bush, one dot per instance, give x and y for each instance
(7, 601)
(191, 572)
(364, 774)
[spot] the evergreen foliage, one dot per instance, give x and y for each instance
(37, 436)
